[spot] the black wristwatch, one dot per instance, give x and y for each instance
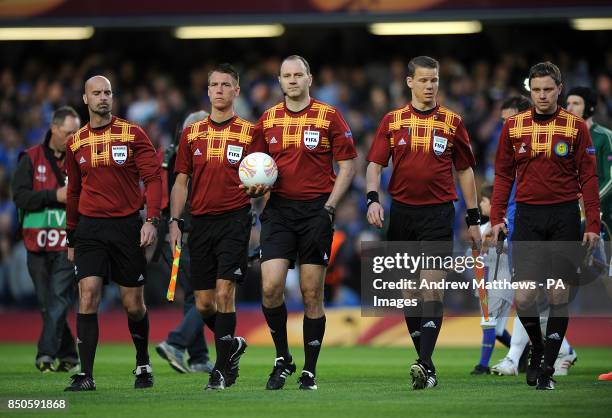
(330, 209)
(179, 221)
(153, 220)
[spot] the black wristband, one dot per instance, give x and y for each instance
(70, 238)
(472, 217)
(371, 198)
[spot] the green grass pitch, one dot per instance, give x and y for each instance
(353, 382)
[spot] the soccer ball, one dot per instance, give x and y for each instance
(258, 168)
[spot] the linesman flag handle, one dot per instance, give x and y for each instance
(480, 279)
(174, 273)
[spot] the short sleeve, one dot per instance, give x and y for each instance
(183, 163)
(341, 137)
(463, 157)
(380, 150)
(258, 142)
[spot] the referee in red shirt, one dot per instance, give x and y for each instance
(304, 136)
(425, 141)
(550, 153)
(209, 153)
(105, 161)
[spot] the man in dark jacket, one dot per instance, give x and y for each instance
(39, 190)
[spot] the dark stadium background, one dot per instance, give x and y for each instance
(158, 79)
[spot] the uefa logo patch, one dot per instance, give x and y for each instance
(561, 149)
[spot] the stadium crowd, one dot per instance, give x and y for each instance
(158, 96)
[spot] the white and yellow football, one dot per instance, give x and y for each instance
(258, 168)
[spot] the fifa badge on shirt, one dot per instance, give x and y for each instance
(311, 139)
(233, 153)
(561, 149)
(439, 145)
(120, 153)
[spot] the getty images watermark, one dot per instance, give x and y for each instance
(398, 275)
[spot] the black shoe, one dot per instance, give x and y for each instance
(432, 379)
(480, 369)
(524, 360)
(239, 346)
(216, 380)
(535, 366)
(81, 383)
(307, 381)
(282, 369)
(144, 377)
(422, 376)
(67, 366)
(545, 380)
(45, 366)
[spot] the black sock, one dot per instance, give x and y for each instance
(314, 329)
(140, 336)
(413, 316)
(210, 321)
(430, 329)
(505, 338)
(555, 332)
(225, 327)
(87, 337)
(530, 318)
(277, 322)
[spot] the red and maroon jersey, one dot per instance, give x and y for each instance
(552, 160)
(105, 166)
(423, 146)
(304, 145)
(211, 153)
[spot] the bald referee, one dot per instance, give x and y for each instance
(105, 161)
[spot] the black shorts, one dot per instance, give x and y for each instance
(429, 225)
(110, 248)
(546, 241)
(219, 246)
(296, 230)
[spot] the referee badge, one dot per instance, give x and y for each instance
(119, 153)
(439, 145)
(311, 139)
(561, 149)
(233, 153)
